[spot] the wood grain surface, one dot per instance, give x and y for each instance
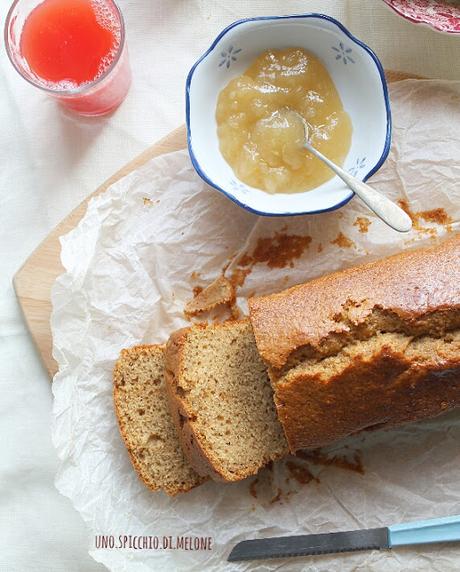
(34, 280)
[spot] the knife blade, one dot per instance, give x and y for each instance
(443, 529)
(310, 544)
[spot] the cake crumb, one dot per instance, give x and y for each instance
(239, 275)
(363, 224)
(197, 290)
(277, 497)
(278, 251)
(438, 216)
(318, 458)
(343, 241)
(434, 216)
(147, 201)
(253, 487)
(300, 473)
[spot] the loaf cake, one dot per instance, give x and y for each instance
(222, 400)
(145, 423)
(372, 346)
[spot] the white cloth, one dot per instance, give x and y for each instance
(50, 161)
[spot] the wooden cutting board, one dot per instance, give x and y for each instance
(33, 281)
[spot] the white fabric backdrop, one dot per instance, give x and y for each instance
(50, 161)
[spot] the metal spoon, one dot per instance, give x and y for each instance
(383, 207)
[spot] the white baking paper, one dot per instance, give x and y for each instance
(129, 268)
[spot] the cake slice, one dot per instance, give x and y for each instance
(146, 424)
(222, 401)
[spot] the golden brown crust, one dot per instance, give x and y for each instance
(182, 418)
(118, 382)
(413, 294)
(413, 288)
(386, 391)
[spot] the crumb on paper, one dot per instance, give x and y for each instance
(278, 251)
(195, 275)
(238, 276)
(266, 486)
(343, 241)
(147, 201)
(363, 224)
(218, 293)
(277, 497)
(253, 487)
(197, 290)
(301, 473)
(437, 216)
(316, 457)
(405, 207)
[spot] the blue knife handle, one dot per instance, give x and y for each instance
(425, 531)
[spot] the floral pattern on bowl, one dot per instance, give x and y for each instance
(442, 16)
(229, 56)
(357, 166)
(343, 53)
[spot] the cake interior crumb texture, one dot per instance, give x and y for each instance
(145, 422)
(423, 350)
(224, 391)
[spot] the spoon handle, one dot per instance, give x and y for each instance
(381, 205)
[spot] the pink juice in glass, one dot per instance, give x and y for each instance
(73, 49)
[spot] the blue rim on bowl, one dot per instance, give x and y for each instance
(353, 38)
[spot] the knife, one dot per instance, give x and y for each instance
(421, 532)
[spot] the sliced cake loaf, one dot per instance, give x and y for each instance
(222, 400)
(146, 424)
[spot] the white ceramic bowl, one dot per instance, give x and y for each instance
(357, 75)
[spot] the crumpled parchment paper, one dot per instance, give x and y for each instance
(128, 273)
